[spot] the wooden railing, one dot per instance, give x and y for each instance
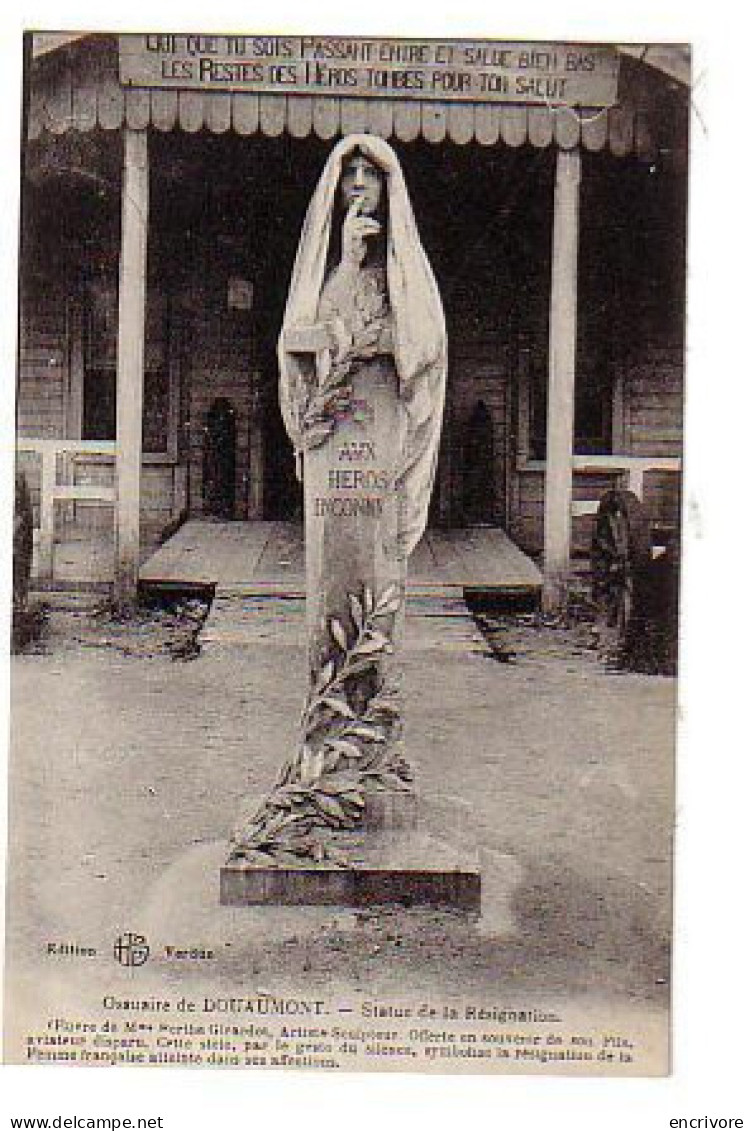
(629, 470)
(51, 491)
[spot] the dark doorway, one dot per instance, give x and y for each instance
(283, 493)
(219, 470)
(479, 468)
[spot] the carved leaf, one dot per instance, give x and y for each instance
(363, 730)
(373, 642)
(349, 749)
(321, 725)
(279, 800)
(330, 808)
(381, 709)
(339, 633)
(337, 858)
(340, 706)
(370, 759)
(316, 434)
(294, 790)
(386, 779)
(274, 822)
(390, 600)
(313, 413)
(353, 800)
(341, 783)
(293, 857)
(311, 767)
(362, 663)
(332, 758)
(338, 397)
(296, 834)
(387, 699)
(249, 853)
(325, 676)
(356, 611)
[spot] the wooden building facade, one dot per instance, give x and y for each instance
(159, 228)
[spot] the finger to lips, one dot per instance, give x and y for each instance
(368, 227)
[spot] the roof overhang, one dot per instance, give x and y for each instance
(75, 85)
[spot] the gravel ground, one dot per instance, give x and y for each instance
(128, 768)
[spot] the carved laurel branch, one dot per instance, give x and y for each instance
(343, 754)
(331, 399)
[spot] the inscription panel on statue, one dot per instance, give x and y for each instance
(355, 485)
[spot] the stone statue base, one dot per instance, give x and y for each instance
(396, 860)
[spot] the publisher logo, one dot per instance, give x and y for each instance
(130, 949)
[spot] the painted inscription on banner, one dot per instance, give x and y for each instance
(461, 70)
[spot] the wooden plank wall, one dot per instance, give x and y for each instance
(219, 364)
(42, 392)
(479, 370)
(526, 525)
(653, 426)
(158, 499)
(43, 364)
(527, 520)
(653, 402)
(43, 375)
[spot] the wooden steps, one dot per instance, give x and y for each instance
(432, 623)
(267, 558)
(256, 570)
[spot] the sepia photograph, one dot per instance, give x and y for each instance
(346, 552)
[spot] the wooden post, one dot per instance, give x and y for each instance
(130, 365)
(561, 384)
(46, 547)
(636, 481)
(74, 409)
(74, 405)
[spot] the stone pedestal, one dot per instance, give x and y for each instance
(410, 875)
(393, 859)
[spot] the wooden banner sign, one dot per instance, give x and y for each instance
(462, 70)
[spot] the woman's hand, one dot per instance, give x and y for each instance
(356, 231)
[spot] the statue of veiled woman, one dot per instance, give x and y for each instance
(363, 361)
(397, 259)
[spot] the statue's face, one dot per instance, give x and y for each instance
(362, 180)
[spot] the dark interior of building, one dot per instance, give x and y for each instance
(227, 206)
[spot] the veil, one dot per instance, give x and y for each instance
(419, 336)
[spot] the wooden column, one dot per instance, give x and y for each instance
(46, 548)
(74, 409)
(562, 372)
(130, 366)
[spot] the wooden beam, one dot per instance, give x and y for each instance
(42, 444)
(523, 408)
(74, 409)
(46, 546)
(561, 383)
(74, 404)
(130, 364)
(619, 413)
